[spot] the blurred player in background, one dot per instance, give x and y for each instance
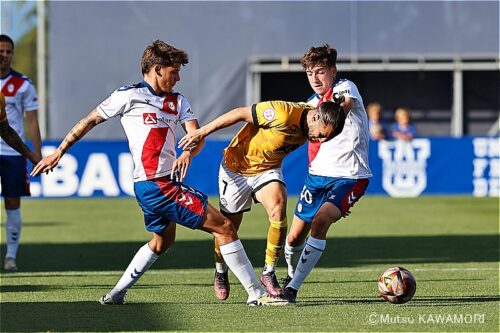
(251, 169)
(20, 99)
(149, 112)
(10, 136)
(338, 170)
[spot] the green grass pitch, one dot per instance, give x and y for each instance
(73, 251)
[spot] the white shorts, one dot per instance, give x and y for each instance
(236, 191)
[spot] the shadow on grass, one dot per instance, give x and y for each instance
(88, 317)
(33, 288)
(337, 281)
(340, 252)
(417, 301)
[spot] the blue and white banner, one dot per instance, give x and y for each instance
(423, 166)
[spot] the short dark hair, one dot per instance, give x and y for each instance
(323, 55)
(331, 112)
(160, 53)
(5, 38)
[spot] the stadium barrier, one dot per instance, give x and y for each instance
(424, 166)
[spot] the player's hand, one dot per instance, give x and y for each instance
(46, 164)
(191, 140)
(180, 167)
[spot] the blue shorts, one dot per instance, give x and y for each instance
(14, 176)
(342, 192)
(163, 201)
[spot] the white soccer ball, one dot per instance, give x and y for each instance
(397, 285)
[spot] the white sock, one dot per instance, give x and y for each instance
(141, 262)
(221, 267)
(268, 269)
(292, 256)
(310, 255)
(236, 259)
(13, 231)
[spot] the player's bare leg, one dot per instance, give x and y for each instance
(222, 286)
(142, 261)
(273, 197)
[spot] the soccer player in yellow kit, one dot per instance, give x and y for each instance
(251, 168)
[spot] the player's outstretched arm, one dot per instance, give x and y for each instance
(34, 129)
(192, 139)
(76, 133)
(181, 164)
(10, 136)
(347, 104)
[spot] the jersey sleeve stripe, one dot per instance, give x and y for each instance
(254, 114)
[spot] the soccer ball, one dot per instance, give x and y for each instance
(397, 285)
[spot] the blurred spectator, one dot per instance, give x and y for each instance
(403, 129)
(377, 126)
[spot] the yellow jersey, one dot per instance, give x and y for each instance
(276, 131)
(3, 113)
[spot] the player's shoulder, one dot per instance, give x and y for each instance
(131, 87)
(346, 87)
(178, 95)
(280, 107)
(21, 76)
(313, 98)
(342, 82)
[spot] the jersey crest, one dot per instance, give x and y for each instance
(170, 104)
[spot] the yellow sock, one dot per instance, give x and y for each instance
(219, 261)
(276, 237)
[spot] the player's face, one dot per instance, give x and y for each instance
(169, 77)
(6, 53)
(317, 130)
(321, 78)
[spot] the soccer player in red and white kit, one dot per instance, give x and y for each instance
(20, 100)
(149, 112)
(338, 170)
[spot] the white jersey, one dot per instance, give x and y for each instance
(346, 155)
(149, 121)
(20, 97)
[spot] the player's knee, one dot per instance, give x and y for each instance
(319, 228)
(294, 239)
(161, 246)
(227, 229)
(12, 203)
(278, 211)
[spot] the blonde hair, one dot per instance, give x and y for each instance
(402, 112)
(374, 106)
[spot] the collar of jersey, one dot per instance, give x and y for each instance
(151, 90)
(337, 81)
(8, 74)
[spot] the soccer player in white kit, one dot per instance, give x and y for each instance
(149, 112)
(20, 100)
(338, 170)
